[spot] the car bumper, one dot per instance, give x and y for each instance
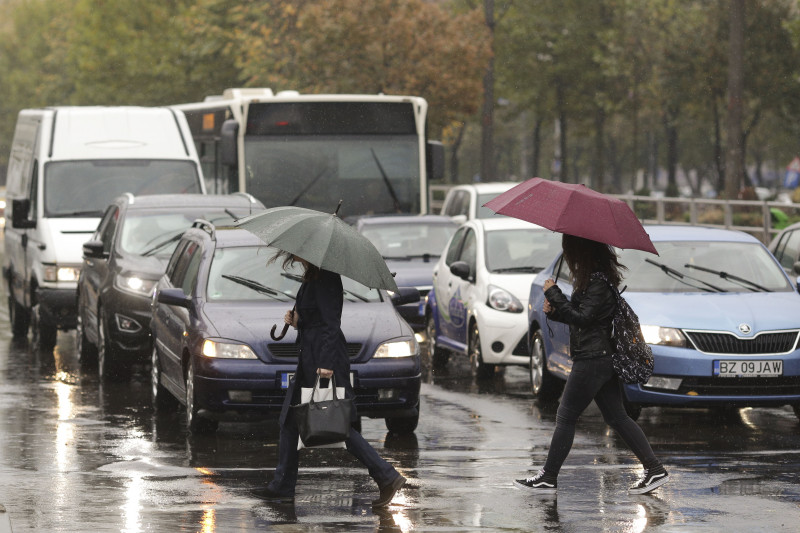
(698, 386)
(503, 338)
(58, 307)
(232, 390)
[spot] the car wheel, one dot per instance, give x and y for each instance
(480, 369)
(19, 317)
(110, 365)
(87, 352)
(44, 334)
(544, 385)
(438, 356)
(161, 397)
(194, 422)
(402, 426)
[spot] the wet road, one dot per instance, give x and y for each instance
(80, 456)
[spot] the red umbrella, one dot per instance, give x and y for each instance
(576, 210)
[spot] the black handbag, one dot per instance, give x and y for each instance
(325, 422)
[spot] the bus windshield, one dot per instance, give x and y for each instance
(373, 174)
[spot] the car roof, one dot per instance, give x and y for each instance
(404, 219)
(501, 223)
(667, 232)
(172, 201)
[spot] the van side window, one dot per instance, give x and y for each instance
(34, 209)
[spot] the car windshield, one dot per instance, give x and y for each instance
(696, 266)
(409, 240)
(521, 250)
(485, 212)
(85, 188)
(246, 273)
(157, 233)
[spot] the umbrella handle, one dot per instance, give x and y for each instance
(282, 334)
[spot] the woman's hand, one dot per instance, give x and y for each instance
(547, 307)
(548, 283)
(291, 318)
(325, 373)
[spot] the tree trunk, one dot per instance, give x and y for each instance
(733, 170)
(454, 153)
(599, 170)
(487, 114)
(670, 127)
(561, 159)
(537, 147)
(719, 157)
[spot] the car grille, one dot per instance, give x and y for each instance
(292, 350)
(741, 386)
(727, 343)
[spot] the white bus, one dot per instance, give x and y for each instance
(312, 150)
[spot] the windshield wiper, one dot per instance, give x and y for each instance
(532, 269)
(84, 213)
(671, 272)
(386, 181)
(299, 279)
(424, 257)
(162, 244)
(736, 279)
(256, 286)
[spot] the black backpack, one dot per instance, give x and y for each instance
(632, 357)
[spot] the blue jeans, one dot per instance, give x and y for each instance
(289, 458)
(594, 379)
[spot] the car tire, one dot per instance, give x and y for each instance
(19, 317)
(402, 426)
(544, 385)
(438, 356)
(110, 365)
(480, 369)
(195, 423)
(87, 352)
(44, 334)
(161, 397)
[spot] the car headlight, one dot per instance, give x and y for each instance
(663, 336)
(227, 350)
(135, 285)
(396, 349)
(502, 300)
(61, 273)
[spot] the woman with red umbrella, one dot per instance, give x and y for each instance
(589, 313)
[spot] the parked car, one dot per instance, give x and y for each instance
(465, 202)
(721, 315)
(411, 245)
(480, 290)
(122, 262)
(785, 246)
(211, 348)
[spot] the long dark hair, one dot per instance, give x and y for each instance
(288, 260)
(585, 256)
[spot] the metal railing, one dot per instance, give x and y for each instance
(751, 216)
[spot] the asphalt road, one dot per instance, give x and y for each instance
(77, 455)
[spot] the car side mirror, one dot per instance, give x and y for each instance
(405, 295)
(174, 297)
(19, 214)
(94, 250)
(460, 269)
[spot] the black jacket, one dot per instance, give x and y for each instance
(319, 333)
(589, 315)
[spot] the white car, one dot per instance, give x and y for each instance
(478, 305)
(465, 202)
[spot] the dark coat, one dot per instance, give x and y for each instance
(319, 333)
(589, 316)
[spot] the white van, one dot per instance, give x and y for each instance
(67, 165)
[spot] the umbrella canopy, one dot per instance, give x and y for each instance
(324, 240)
(575, 210)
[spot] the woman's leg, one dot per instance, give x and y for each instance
(288, 458)
(585, 379)
(379, 469)
(609, 400)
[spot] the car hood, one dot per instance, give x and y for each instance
(250, 323)
(762, 311)
(149, 267)
(412, 273)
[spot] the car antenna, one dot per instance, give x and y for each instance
(336, 213)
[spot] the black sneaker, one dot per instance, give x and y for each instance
(540, 483)
(650, 480)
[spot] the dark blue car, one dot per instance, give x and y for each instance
(212, 352)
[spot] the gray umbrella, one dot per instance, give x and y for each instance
(324, 240)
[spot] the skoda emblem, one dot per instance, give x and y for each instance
(744, 328)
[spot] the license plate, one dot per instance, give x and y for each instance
(748, 369)
(287, 376)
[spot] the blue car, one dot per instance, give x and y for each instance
(719, 312)
(212, 312)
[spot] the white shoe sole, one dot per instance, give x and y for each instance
(534, 490)
(652, 486)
